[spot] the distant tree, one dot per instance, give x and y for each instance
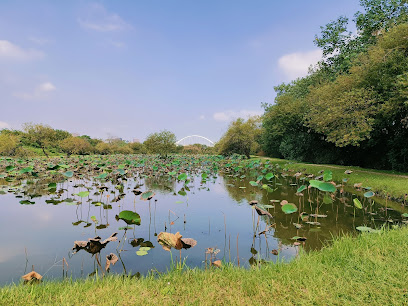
(162, 143)
(119, 146)
(192, 149)
(92, 141)
(75, 145)
(241, 137)
(8, 144)
(103, 148)
(61, 135)
(123, 149)
(39, 135)
(137, 147)
(197, 148)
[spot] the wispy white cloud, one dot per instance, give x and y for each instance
(295, 65)
(202, 117)
(39, 40)
(117, 44)
(231, 115)
(11, 51)
(40, 92)
(99, 19)
(4, 125)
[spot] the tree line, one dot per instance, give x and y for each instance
(41, 139)
(352, 107)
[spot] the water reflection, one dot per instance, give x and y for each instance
(214, 210)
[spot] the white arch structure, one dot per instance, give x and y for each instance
(183, 141)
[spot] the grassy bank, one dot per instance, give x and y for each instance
(383, 183)
(368, 269)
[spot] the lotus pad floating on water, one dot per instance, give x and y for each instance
(289, 208)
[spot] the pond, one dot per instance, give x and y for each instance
(244, 212)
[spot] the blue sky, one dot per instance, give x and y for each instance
(131, 68)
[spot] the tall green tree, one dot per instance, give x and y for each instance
(340, 46)
(242, 137)
(162, 143)
(39, 135)
(75, 145)
(8, 144)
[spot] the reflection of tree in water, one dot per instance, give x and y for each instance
(32, 189)
(162, 184)
(232, 184)
(329, 215)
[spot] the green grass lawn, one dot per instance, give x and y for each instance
(362, 270)
(392, 184)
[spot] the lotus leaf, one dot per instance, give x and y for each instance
(289, 208)
(130, 217)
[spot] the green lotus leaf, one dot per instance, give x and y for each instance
(289, 208)
(130, 217)
(68, 174)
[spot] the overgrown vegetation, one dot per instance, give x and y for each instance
(40, 139)
(352, 108)
(359, 270)
(242, 137)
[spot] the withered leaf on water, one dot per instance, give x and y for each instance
(111, 259)
(32, 276)
(141, 242)
(262, 212)
(169, 240)
(110, 238)
(136, 191)
(188, 243)
(93, 245)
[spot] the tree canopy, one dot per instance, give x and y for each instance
(241, 137)
(352, 108)
(162, 143)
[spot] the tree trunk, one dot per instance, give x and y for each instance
(43, 149)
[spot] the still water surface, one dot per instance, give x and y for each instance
(215, 213)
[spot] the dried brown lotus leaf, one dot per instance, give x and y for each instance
(188, 243)
(32, 276)
(93, 245)
(111, 238)
(111, 259)
(169, 240)
(217, 263)
(262, 212)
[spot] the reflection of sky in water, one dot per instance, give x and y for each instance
(46, 231)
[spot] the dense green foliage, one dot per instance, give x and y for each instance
(353, 107)
(162, 143)
(39, 139)
(240, 138)
(363, 270)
